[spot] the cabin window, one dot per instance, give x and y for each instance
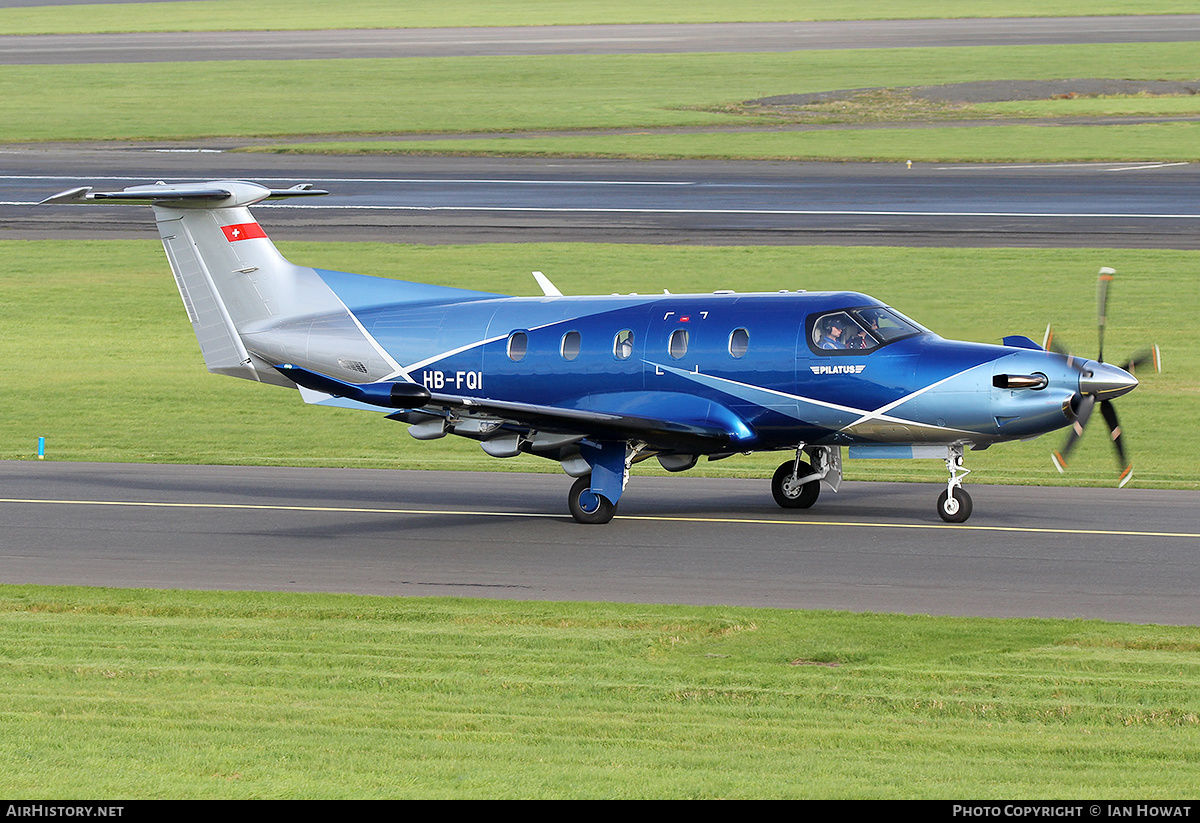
(623, 344)
(570, 345)
(518, 345)
(739, 343)
(677, 346)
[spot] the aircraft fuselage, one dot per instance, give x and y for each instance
(745, 362)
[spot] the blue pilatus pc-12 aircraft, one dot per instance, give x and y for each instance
(599, 383)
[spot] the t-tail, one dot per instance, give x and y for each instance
(229, 273)
(250, 307)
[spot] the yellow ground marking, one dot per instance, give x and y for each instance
(754, 521)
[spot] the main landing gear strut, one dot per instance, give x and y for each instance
(594, 496)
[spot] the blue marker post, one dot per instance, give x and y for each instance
(41, 448)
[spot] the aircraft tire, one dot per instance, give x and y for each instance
(599, 509)
(789, 497)
(956, 512)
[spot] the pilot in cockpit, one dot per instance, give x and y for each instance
(832, 336)
(859, 338)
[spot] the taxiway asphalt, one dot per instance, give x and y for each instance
(157, 47)
(1128, 555)
(468, 200)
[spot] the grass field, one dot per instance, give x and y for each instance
(577, 93)
(1167, 142)
(498, 94)
(231, 15)
(97, 355)
(137, 694)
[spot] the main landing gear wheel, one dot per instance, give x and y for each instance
(587, 507)
(789, 494)
(954, 509)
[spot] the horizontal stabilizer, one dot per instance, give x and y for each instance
(220, 194)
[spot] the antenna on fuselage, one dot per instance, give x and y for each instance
(548, 288)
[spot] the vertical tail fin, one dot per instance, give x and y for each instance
(252, 309)
(229, 273)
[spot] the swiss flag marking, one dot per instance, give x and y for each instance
(243, 231)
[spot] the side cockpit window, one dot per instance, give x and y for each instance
(860, 329)
(886, 324)
(838, 330)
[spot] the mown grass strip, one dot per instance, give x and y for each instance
(97, 356)
(1157, 142)
(233, 15)
(505, 94)
(112, 693)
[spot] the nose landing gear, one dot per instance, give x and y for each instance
(954, 504)
(797, 484)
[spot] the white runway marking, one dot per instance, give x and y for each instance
(785, 212)
(322, 180)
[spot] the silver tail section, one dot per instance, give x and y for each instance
(237, 288)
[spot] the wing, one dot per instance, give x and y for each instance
(505, 418)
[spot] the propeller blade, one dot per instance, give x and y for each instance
(1098, 383)
(1049, 343)
(1106, 277)
(1150, 355)
(1081, 418)
(1114, 428)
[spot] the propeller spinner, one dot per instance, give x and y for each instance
(1100, 382)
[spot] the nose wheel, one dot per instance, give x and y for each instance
(954, 507)
(954, 504)
(795, 485)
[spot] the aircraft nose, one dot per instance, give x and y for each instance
(1104, 382)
